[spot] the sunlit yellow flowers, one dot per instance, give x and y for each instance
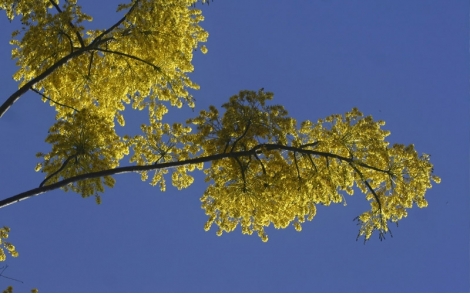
(290, 170)
(6, 246)
(82, 142)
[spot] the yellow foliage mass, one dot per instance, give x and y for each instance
(145, 58)
(265, 168)
(294, 169)
(271, 170)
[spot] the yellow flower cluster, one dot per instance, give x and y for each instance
(144, 58)
(82, 142)
(290, 170)
(164, 143)
(10, 248)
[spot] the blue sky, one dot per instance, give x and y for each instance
(404, 62)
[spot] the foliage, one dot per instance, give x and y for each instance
(264, 167)
(6, 246)
(283, 172)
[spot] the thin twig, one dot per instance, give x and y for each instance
(61, 168)
(70, 40)
(63, 105)
(130, 56)
(243, 135)
(1, 274)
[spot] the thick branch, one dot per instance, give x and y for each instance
(15, 96)
(126, 169)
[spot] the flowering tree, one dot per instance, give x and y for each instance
(261, 165)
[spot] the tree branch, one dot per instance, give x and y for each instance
(381, 230)
(70, 40)
(311, 161)
(97, 41)
(297, 166)
(129, 56)
(89, 65)
(368, 186)
(70, 23)
(63, 105)
(243, 173)
(126, 169)
(15, 96)
(243, 135)
(56, 172)
(262, 165)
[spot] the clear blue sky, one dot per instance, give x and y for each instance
(405, 62)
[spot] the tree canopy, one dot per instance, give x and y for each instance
(262, 166)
